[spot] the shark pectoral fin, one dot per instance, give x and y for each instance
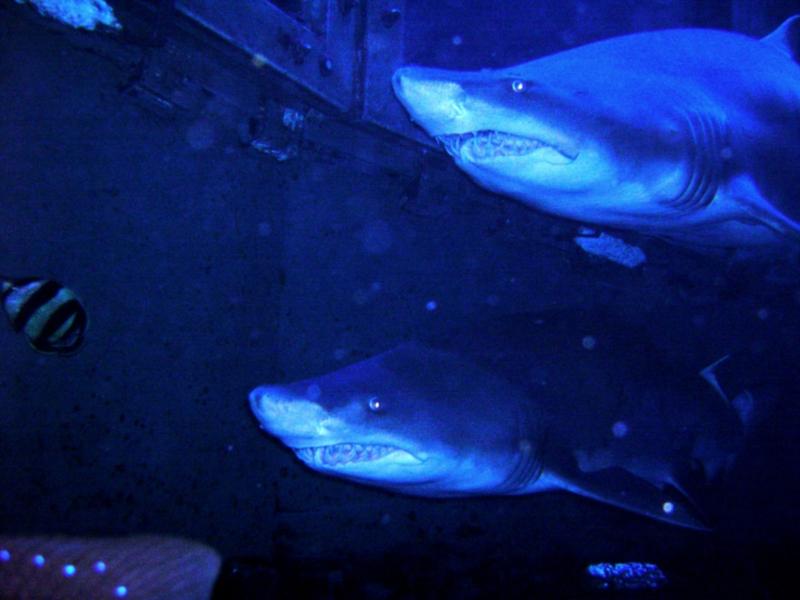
(786, 38)
(745, 192)
(621, 488)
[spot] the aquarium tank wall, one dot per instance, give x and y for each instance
(412, 299)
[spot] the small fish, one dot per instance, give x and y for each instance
(51, 316)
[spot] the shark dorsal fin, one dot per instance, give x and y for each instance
(786, 38)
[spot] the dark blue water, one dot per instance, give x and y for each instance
(208, 268)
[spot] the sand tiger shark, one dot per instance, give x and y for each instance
(688, 134)
(525, 404)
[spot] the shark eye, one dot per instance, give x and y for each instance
(518, 85)
(375, 404)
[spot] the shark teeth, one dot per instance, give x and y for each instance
(341, 454)
(487, 144)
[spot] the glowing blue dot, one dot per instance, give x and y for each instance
(5, 555)
(38, 560)
(619, 429)
(264, 229)
(120, 591)
(431, 305)
(69, 570)
(99, 567)
(668, 507)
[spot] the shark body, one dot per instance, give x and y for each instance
(526, 404)
(688, 134)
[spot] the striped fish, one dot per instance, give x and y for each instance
(51, 316)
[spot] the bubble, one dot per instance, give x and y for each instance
(201, 135)
(763, 314)
(264, 229)
(457, 40)
(69, 570)
(492, 300)
(376, 237)
(325, 65)
(589, 342)
(375, 286)
(431, 305)
(339, 353)
(726, 153)
(386, 518)
(120, 591)
(258, 60)
(99, 567)
(619, 429)
(38, 560)
(313, 392)
(5, 555)
(668, 508)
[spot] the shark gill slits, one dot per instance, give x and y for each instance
(50, 315)
(706, 163)
(527, 469)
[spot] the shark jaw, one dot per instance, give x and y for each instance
(354, 456)
(487, 145)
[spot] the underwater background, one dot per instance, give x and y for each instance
(216, 248)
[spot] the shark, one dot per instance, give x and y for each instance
(691, 135)
(537, 402)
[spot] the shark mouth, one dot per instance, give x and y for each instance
(488, 144)
(344, 454)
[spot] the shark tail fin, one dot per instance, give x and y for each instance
(786, 38)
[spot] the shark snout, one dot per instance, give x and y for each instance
(285, 414)
(432, 101)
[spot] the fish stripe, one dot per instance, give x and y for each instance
(66, 327)
(46, 292)
(75, 330)
(70, 309)
(40, 318)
